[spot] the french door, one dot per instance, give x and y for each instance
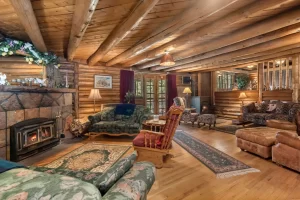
(155, 94)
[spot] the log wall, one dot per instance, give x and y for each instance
(282, 95)
(228, 104)
(86, 83)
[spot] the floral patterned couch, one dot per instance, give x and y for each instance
(107, 122)
(124, 180)
(260, 113)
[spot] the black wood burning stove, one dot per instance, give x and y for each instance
(32, 136)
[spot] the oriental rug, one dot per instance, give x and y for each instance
(221, 164)
(93, 157)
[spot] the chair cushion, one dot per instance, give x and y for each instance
(281, 124)
(139, 141)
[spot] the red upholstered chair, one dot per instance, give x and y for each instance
(154, 146)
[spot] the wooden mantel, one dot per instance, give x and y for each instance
(35, 89)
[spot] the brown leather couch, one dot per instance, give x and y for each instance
(286, 151)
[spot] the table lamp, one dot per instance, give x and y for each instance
(242, 96)
(187, 91)
(94, 94)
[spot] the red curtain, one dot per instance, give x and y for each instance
(126, 84)
(171, 89)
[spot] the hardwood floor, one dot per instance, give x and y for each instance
(189, 179)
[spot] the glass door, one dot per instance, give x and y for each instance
(155, 94)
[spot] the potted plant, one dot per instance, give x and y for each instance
(242, 81)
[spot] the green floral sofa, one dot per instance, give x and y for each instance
(125, 180)
(109, 123)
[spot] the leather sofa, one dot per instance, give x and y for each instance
(286, 151)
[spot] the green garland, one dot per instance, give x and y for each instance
(10, 47)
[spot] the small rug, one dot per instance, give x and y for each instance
(221, 164)
(230, 128)
(93, 157)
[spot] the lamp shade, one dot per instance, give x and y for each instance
(187, 90)
(242, 95)
(95, 94)
(167, 60)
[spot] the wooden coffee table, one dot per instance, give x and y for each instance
(154, 125)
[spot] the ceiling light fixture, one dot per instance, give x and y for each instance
(167, 60)
(250, 66)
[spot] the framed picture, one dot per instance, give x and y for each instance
(186, 80)
(103, 81)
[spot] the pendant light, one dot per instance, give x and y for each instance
(167, 60)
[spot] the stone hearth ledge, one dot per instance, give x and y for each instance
(4, 88)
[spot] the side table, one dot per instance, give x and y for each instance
(154, 125)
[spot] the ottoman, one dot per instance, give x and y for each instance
(257, 140)
(207, 119)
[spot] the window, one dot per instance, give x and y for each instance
(138, 87)
(225, 81)
(150, 94)
(161, 96)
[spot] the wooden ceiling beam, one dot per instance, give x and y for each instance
(82, 16)
(280, 42)
(233, 63)
(261, 30)
(237, 46)
(197, 12)
(123, 29)
(232, 18)
(27, 17)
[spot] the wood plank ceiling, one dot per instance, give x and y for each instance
(201, 35)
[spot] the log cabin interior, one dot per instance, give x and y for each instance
(150, 99)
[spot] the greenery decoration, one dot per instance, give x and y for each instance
(242, 81)
(10, 47)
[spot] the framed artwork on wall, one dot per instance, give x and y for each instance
(102, 81)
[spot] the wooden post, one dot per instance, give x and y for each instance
(273, 76)
(214, 86)
(260, 71)
(268, 76)
(199, 84)
(76, 81)
(280, 74)
(295, 74)
(287, 74)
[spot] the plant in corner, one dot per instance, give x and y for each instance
(129, 96)
(242, 81)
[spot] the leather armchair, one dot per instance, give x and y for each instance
(286, 151)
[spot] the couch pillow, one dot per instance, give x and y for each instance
(283, 108)
(251, 107)
(262, 107)
(113, 174)
(297, 121)
(272, 108)
(108, 114)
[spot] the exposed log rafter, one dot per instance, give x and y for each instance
(27, 17)
(230, 19)
(83, 13)
(195, 14)
(123, 29)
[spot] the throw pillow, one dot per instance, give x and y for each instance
(283, 108)
(272, 108)
(262, 107)
(108, 114)
(114, 173)
(297, 120)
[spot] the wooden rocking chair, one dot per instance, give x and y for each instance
(154, 146)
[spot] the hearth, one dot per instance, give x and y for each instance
(32, 136)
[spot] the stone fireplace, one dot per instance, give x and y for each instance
(18, 104)
(32, 136)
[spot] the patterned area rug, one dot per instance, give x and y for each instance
(221, 164)
(93, 157)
